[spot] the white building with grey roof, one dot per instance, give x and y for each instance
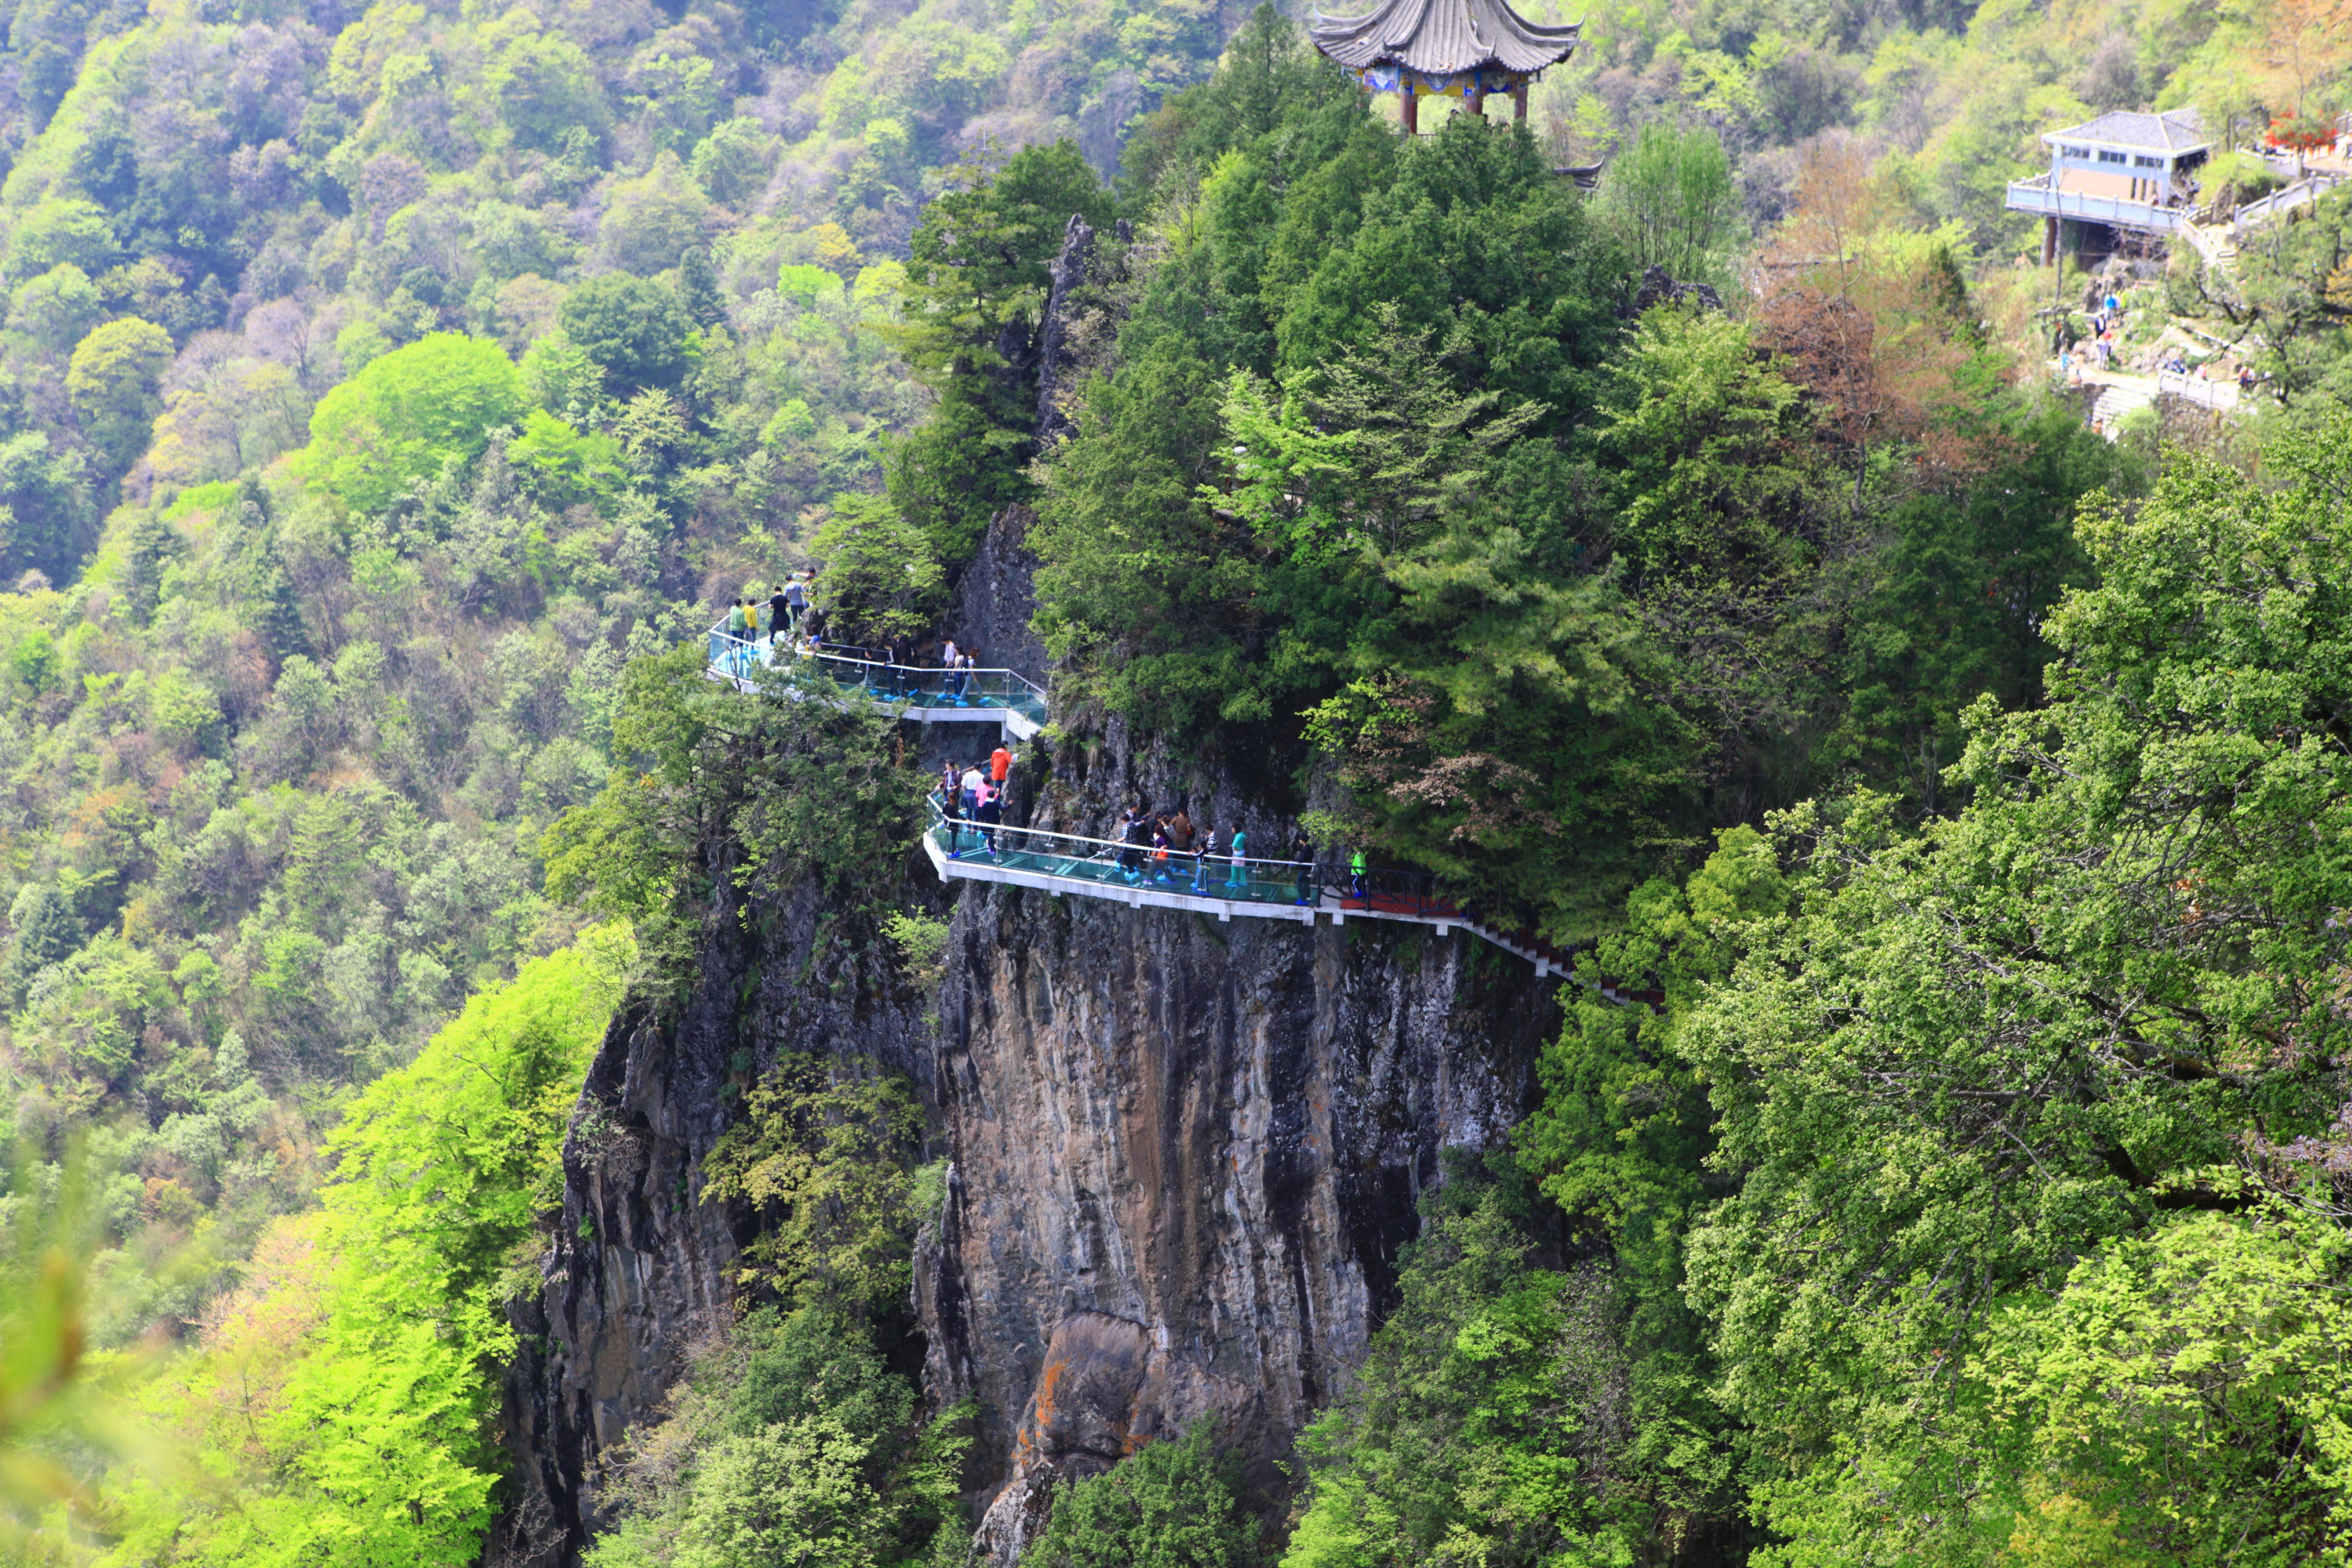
(2122, 171)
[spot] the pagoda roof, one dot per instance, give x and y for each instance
(2174, 131)
(1442, 37)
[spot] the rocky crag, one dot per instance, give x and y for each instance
(639, 1273)
(1184, 1154)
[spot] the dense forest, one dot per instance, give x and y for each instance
(1703, 572)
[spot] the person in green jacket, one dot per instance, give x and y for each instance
(1239, 876)
(1359, 871)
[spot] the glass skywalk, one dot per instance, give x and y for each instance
(962, 850)
(925, 692)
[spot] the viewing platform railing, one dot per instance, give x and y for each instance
(963, 848)
(2037, 195)
(1305, 885)
(927, 692)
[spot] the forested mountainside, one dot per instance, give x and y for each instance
(483, 1092)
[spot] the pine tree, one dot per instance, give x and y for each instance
(269, 591)
(46, 930)
(698, 288)
(154, 544)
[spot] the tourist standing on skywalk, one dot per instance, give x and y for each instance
(948, 801)
(1130, 838)
(991, 812)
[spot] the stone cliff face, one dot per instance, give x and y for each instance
(995, 598)
(639, 1272)
(1186, 1154)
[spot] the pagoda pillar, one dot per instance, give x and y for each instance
(1412, 110)
(1520, 101)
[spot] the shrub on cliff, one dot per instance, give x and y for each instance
(1167, 1505)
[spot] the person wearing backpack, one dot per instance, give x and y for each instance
(991, 812)
(1131, 842)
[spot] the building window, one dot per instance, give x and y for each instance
(2077, 151)
(2107, 157)
(2148, 163)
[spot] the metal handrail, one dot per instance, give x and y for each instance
(935, 670)
(722, 640)
(939, 815)
(1382, 888)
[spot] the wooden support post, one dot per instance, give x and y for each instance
(1476, 97)
(1412, 110)
(1520, 101)
(2049, 239)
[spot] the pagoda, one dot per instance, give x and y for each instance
(1418, 48)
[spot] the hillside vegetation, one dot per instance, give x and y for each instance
(390, 395)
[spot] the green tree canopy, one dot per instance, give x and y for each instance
(881, 578)
(1170, 1504)
(112, 380)
(545, 86)
(978, 271)
(635, 328)
(1669, 196)
(1960, 1089)
(61, 231)
(406, 413)
(55, 307)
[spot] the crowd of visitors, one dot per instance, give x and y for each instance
(791, 613)
(975, 795)
(1168, 849)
